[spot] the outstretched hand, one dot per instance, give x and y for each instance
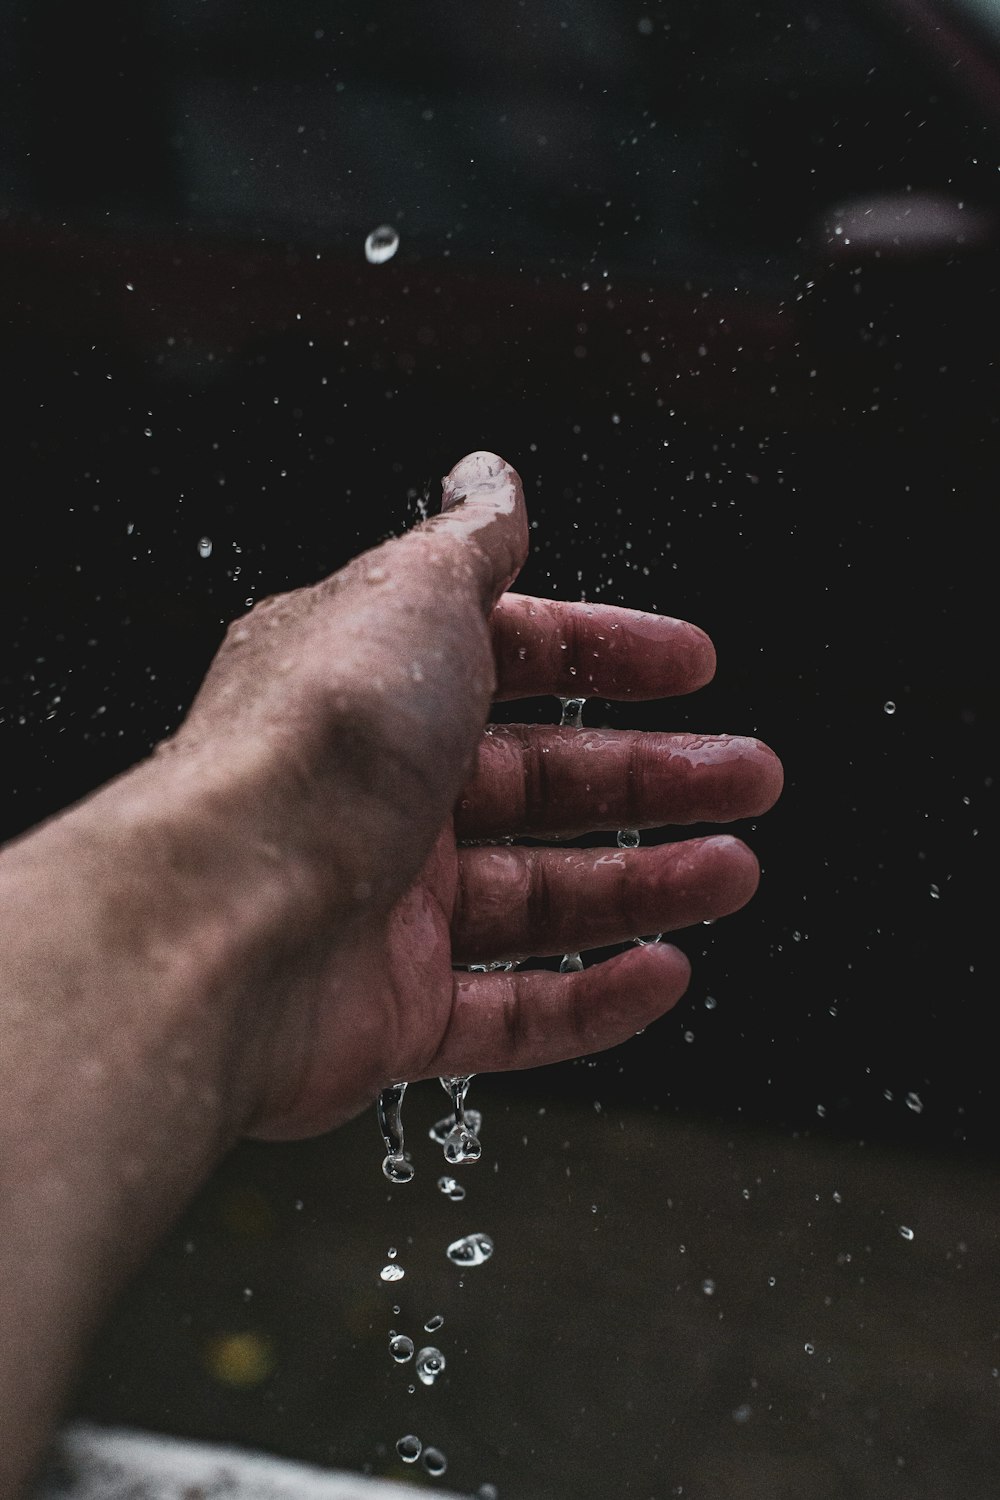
(354, 717)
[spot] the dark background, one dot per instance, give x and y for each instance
(720, 281)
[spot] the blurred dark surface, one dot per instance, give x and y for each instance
(722, 284)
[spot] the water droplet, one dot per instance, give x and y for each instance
(645, 942)
(888, 706)
(935, 892)
(435, 1462)
(914, 1102)
(392, 1272)
(392, 1252)
(409, 1448)
(451, 1189)
(430, 1364)
(401, 1348)
(906, 1231)
(471, 1250)
(487, 1492)
(708, 1287)
(460, 1146)
(441, 1129)
(572, 713)
(809, 1348)
(710, 1002)
(381, 245)
(205, 547)
(571, 963)
(434, 1323)
(772, 1281)
(628, 838)
(742, 1413)
(389, 1109)
(130, 286)
(147, 432)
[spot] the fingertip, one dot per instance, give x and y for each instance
(475, 472)
(738, 874)
(771, 778)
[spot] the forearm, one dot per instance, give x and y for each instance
(123, 1071)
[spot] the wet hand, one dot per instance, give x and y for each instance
(357, 713)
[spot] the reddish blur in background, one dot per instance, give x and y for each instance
(721, 281)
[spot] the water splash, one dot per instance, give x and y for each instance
(390, 1121)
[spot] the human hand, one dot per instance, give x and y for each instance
(353, 717)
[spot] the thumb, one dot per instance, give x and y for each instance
(482, 503)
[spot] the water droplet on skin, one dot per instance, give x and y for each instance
(906, 1231)
(645, 942)
(401, 1348)
(434, 1323)
(409, 1448)
(381, 245)
(435, 1462)
(914, 1102)
(572, 963)
(628, 838)
(471, 1250)
(451, 1189)
(888, 706)
(708, 1287)
(392, 1272)
(430, 1364)
(205, 547)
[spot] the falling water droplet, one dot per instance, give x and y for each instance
(914, 1102)
(906, 1231)
(628, 838)
(441, 1129)
(434, 1323)
(430, 1364)
(708, 1287)
(409, 1448)
(572, 963)
(809, 1348)
(205, 547)
(401, 1348)
(888, 706)
(392, 1272)
(390, 1120)
(451, 1189)
(471, 1250)
(435, 1462)
(487, 1492)
(461, 1142)
(572, 713)
(381, 245)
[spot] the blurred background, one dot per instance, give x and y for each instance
(722, 283)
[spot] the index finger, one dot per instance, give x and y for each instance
(546, 646)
